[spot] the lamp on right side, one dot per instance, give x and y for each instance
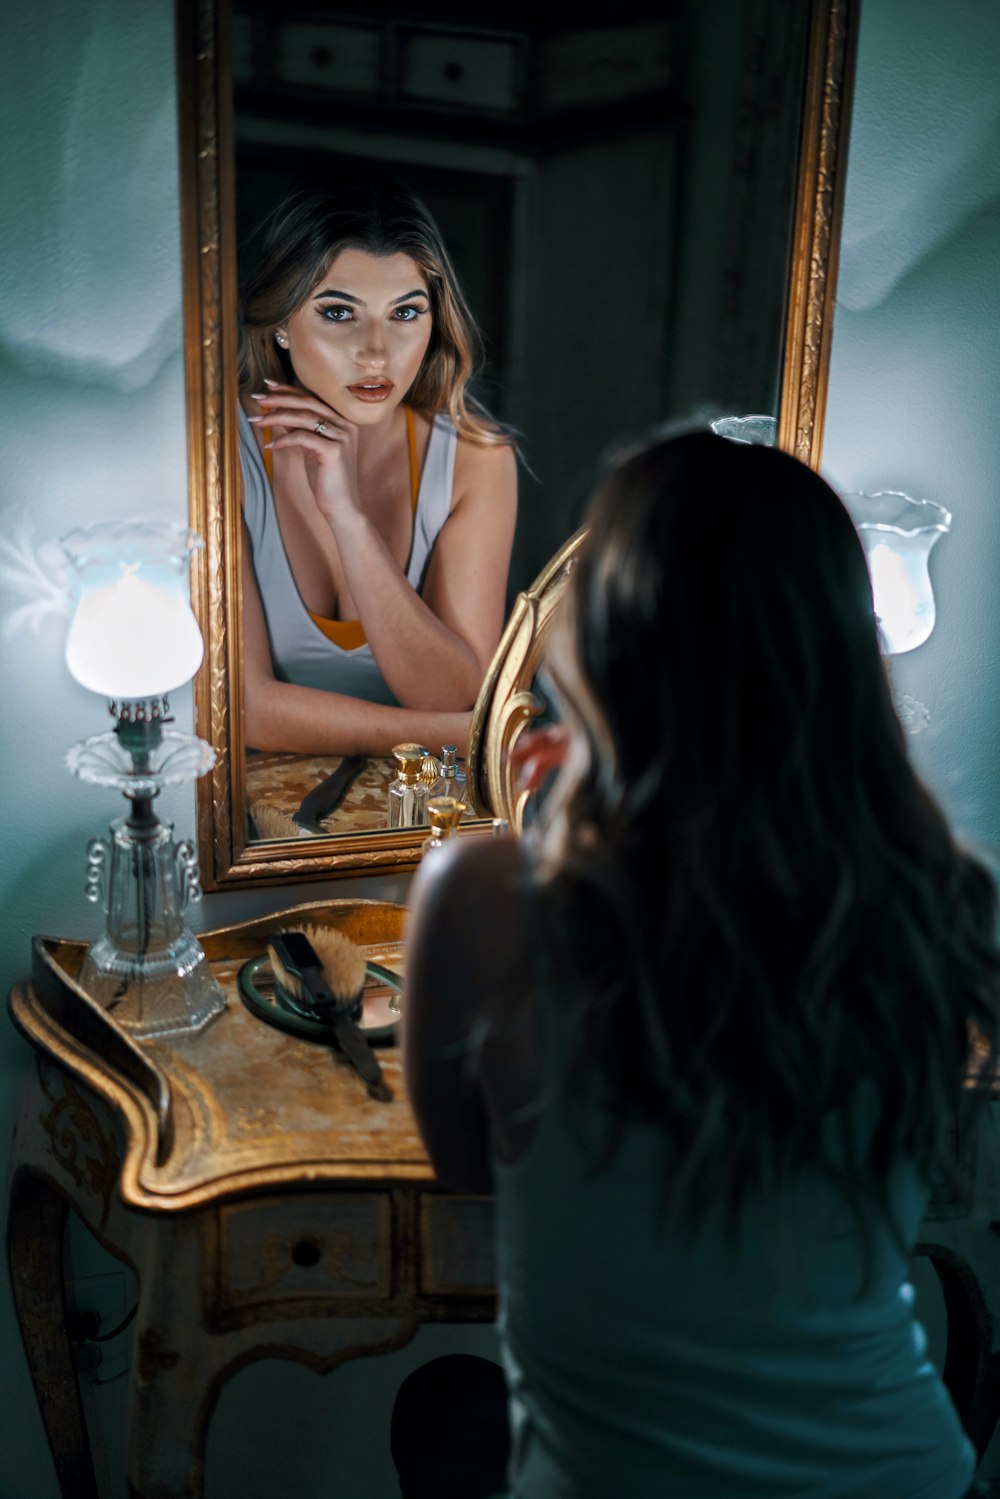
(898, 534)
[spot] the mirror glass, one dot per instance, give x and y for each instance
(558, 164)
(572, 301)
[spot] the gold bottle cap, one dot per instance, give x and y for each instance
(430, 771)
(409, 759)
(444, 813)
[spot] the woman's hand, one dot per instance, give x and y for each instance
(538, 753)
(327, 441)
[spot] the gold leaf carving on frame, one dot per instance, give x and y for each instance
(822, 174)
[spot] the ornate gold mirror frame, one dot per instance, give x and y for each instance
(826, 115)
(228, 858)
(507, 703)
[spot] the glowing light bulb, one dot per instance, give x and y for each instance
(133, 634)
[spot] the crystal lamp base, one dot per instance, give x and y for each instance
(166, 994)
(148, 970)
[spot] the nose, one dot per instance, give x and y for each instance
(371, 351)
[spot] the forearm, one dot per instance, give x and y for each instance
(426, 664)
(305, 720)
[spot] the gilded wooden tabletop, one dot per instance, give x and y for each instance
(243, 1106)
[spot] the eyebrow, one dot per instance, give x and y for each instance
(345, 296)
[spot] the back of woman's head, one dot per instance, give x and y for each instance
(723, 618)
(370, 210)
(771, 900)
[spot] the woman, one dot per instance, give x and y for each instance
(707, 1046)
(379, 502)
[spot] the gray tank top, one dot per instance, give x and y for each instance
(300, 652)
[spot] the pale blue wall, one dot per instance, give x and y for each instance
(90, 387)
(914, 399)
(914, 396)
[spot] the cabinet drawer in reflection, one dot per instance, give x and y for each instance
(458, 69)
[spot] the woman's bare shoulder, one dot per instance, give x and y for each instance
(475, 896)
(471, 865)
(485, 466)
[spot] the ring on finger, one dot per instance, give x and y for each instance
(320, 429)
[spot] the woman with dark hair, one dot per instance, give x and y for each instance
(708, 1045)
(379, 500)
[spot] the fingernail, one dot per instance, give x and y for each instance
(272, 383)
(258, 395)
(255, 418)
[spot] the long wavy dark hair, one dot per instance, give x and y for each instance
(373, 211)
(761, 903)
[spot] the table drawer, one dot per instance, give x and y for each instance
(331, 1247)
(457, 1256)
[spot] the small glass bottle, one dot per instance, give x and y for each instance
(444, 813)
(451, 781)
(408, 791)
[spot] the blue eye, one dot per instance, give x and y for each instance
(408, 314)
(336, 313)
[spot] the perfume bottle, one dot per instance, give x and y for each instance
(451, 781)
(408, 791)
(444, 813)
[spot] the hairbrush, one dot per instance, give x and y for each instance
(328, 989)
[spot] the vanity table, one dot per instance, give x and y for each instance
(269, 1207)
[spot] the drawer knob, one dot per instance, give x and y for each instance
(322, 56)
(452, 71)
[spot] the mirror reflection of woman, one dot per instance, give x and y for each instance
(379, 499)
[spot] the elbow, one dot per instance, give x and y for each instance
(260, 728)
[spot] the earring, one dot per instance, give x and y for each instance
(281, 339)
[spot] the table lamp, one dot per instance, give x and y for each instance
(134, 639)
(898, 533)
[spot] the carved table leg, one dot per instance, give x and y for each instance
(35, 1228)
(172, 1390)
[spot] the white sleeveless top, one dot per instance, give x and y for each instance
(300, 652)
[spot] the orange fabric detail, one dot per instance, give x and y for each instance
(411, 438)
(347, 633)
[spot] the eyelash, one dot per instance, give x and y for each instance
(325, 312)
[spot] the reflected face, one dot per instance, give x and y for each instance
(360, 337)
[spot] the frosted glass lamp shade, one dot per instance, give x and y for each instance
(897, 534)
(133, 634)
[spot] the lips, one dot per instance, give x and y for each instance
(371, 390)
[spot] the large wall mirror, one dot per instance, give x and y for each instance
(558, 164)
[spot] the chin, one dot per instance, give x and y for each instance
(369, 413)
